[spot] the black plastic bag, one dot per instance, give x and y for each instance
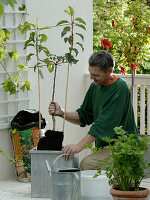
(26, 119)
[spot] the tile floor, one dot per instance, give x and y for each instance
(14, 190)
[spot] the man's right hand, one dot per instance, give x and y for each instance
(55, 109)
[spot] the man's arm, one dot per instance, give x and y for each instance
(56, 110)
(72, 117)
(76, 148)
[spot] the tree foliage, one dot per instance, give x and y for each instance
(36, 40)
(126, 24)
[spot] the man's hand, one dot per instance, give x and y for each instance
(55, 109)
(71, 149)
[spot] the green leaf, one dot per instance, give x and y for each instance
(14, 78)
(10, 86)
(80, 20)
(81, 36)
(67, 12)
(74, 61)
(67, 28)
(64, 32)
(28, 57)
(28, 43)
(44, 49)
(70, 40)
(50, 68)
(2, 34)
(71, 10)
(23, 8)
(1, 10)
(65, 39)
(22, 67)
(76, 51)
(7, 33)
(26, 27)
(9, 2)
(62, 22)
(20, 27)
(44, 37)
(2, 54)
(13, 54)
(81, 26)
(35, 66)
(32, 37)
(27, 85)
(23, 88)
(80, 45)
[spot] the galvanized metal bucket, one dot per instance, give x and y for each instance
(65, 181)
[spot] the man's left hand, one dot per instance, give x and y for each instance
(70, 149)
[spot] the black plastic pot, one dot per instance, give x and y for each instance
(51, 141)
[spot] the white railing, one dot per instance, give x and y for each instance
(142, 81)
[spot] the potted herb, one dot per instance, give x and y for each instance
(125, 166)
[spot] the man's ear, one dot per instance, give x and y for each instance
(110, 70)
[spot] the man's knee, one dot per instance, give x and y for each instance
(89, 164)
(85, 164)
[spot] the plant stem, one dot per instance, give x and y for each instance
(53, 118)
(5, 70)
(37, 57)
(132, 85)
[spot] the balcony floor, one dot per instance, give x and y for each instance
(15, 190)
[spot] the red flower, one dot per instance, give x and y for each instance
(123, 70)
(148, 29)
(134, 67)
(121, 27)
(106, 43)
(127, 61)
(113, 23)
(116, 30)
(134, 22)
(130, 43)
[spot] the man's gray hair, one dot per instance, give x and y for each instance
(102, 59)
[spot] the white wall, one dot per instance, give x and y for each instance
(49, 12)
(53, 12)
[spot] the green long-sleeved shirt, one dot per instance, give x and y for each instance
(107, 107)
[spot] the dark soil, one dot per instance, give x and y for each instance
(69, 170)
(51, 141)
(131, 189)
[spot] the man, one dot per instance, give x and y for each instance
(107, 105)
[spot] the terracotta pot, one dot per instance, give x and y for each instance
(130, 195)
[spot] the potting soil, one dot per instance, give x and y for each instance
(51, 141)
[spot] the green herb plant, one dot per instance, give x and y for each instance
(125, 166)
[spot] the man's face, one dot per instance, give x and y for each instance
(98, 76)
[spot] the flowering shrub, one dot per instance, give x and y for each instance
(126, 24)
